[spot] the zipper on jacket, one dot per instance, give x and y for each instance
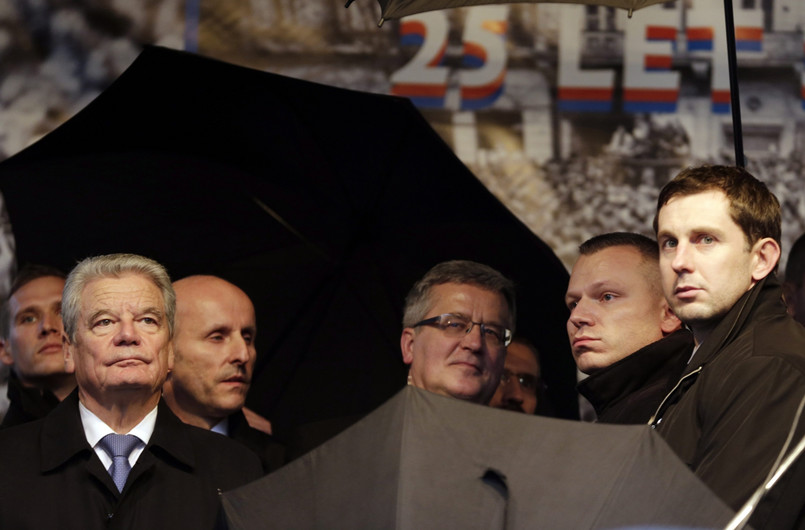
(654, 420)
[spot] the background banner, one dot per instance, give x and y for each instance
(572, 115)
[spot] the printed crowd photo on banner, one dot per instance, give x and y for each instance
(572, 115)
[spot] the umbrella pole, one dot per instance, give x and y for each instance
(735, 100)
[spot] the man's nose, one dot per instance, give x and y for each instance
(681, 261)
(512, 391)
(50, 323)
(473, 338)
(240, 351)
(127, 333)
(582, 314)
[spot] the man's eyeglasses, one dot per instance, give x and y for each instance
(529, 383)
(458, 326)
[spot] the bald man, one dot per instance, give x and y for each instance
(215, 353)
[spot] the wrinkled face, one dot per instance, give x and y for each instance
(614, 310)
(464, 367)
(511, 394)
(215, 351)
(705, 262)
(122, 341)
(33, 346)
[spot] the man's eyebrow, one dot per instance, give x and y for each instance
(153, 310)
(98, 313)
(27, 309)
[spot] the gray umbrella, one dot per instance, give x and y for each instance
(426, 461)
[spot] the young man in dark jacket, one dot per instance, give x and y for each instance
(718, 230)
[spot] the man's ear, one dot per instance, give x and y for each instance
(669, 322)
(68, 353)
(407, 344)
(5, 354)
(765, 255)
(170, 357)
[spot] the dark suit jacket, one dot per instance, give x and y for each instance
(26, 404)
(270, 452)
(51, 478)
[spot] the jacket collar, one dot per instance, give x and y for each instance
(63, 437)
(764, 295)
(171, 438)
(607, 386)
(764, 299)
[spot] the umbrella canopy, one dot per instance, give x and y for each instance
(427, 461)
(324, 204)
(393, 9)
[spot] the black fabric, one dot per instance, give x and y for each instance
(51, 478)
(26, 403)
(274, 184)
(630, 390)
(270, 451)
(427, 461)
(729, 417)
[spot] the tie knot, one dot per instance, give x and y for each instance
(117, 445)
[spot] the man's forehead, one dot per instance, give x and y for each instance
(463, 298)
(215, 308)
(43, 290)
(612, 266)
(715, 200)
(522, 355)
(461, 292)
(130, 289)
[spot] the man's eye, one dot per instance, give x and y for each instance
(528, 381)
(608, 297)
(103, 322)
(150, 321)
(708, 240)
(454, 324)
(493, 332)
(669, 243)
(217, 337)
(28, 319)
(572, 305)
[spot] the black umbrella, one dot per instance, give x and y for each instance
(427, 461)
(393, 9)
(324, 204)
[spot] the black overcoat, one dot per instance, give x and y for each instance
(51, 478)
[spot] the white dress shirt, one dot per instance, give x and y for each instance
(95, 429)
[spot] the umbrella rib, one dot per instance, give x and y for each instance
(277, 217)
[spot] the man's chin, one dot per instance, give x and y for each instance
(469, 392)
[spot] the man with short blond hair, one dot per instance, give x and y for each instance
(622, 332)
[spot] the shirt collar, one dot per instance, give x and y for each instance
(95, 428)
